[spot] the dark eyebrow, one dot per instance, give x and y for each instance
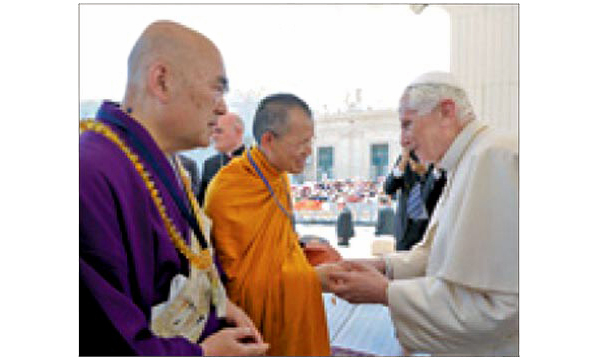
(224, 82)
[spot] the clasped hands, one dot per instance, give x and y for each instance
(242, 339)
(356, 281)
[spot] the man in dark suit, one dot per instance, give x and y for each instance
(385, 218)
(228, 139)
(344, 227)
(192, 169)
(415, 206)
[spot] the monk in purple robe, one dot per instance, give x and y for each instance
(130, 262)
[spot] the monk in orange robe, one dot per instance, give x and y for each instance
(249, 203)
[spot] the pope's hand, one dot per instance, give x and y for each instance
(358, 282)
(323, 272)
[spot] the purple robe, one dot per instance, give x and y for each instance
(126, 258)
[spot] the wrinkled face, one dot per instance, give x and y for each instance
(289, 151)
(200, 101)
(227, 134)
(421, 133)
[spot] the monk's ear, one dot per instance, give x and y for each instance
(266, 139)
(157, 81)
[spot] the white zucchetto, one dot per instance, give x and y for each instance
(437, 77)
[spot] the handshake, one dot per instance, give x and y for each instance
(356, 281)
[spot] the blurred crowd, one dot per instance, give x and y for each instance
(310, 195)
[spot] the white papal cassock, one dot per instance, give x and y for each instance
(456, 292)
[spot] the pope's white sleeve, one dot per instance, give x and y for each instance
(432, 315)
(407, 264)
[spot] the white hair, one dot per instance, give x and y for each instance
(240, 123)
(425, 93)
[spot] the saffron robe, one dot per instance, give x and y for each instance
(126, 258)
(267, 272)
(456, 292)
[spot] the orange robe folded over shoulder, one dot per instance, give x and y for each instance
(268, 274)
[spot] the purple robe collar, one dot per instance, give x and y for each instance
(112, 109)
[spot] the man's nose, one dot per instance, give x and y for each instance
(308, 148)
(405, 141)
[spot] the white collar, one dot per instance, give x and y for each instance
(450, 159)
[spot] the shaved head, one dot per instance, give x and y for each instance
(169, 42)
(175, 85)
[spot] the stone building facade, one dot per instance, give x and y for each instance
(357, 144)
(361, 144)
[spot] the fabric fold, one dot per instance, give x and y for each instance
(267, 272)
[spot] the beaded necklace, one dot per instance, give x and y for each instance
(273, 196)
(201, 260)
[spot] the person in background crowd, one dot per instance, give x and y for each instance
(416, 193)
(344, 228)
(228, 136)
(190, 166)
(385, 217)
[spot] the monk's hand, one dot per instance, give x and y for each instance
(323, 272)
(233, 342)
(359, 283)
(238, 317)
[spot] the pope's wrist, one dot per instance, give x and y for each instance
(384, 299)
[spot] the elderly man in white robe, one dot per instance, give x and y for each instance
(456, 291)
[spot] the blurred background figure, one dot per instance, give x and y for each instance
(192, 169)
(385, 217)
(228, 141)
(417, 194)
(344, 226)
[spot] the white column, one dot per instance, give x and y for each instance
(484, 57)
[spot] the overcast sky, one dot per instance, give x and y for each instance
(319, 52)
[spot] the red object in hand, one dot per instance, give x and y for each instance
(319, 253)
